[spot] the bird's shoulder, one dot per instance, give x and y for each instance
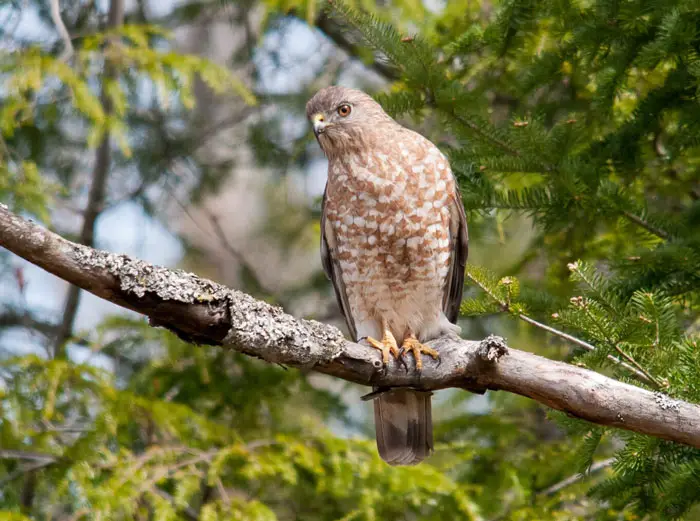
(417, 145)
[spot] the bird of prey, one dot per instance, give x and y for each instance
(394, 245)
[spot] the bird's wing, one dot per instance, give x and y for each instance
(331, 266)
(459, 246)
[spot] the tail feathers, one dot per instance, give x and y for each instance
(404, 425)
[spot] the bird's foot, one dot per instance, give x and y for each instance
(412, 345)
(387, 345)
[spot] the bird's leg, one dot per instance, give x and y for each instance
(412, 345)
(386, 345)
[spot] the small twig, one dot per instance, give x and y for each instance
(641, 374)
(550, 491)
(189, 512)
(47, 426)
(222, 492)
(12, 317)
(622, 353)
(637, 365)
(62, 31)
(26, 455)
(478, 130)
(225, 242)
(596, 467)
(245, 265)
(39, 462)
(204, 457)
(24, 470)
(646, 225)
(221, 237)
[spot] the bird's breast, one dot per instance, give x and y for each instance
(391, 220)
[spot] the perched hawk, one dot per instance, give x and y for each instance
(394, 245)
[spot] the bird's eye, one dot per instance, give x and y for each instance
(344, 110)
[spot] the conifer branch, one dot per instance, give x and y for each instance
(616, 347)
(505, 306)
(343, 38)
(479, 131)
(557, 487)
(646, 225)
(202, 311)
(638, 372)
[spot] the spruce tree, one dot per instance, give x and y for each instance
(583, 117)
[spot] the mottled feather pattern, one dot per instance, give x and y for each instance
(388, 208)
(393, 243)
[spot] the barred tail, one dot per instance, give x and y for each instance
(404, 425)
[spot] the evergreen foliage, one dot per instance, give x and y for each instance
(577, 121)
(592, 132)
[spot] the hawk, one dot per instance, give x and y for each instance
(394, 245)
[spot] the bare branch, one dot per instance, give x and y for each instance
(202, 311)
(98, 188)
(596, 467)
(189, 512)
(13, 317)
(553, 489)
(26, 455)
(23, 470)
(62, 31)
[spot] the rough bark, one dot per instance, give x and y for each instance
(203, 311)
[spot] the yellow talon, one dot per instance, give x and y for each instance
(411, 344)
(386, 345)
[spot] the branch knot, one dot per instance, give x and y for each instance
(492, 348)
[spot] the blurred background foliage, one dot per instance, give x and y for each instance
(174, 131)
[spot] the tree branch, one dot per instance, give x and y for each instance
(349, 40)
(646, 225)
(12, 317)
(505, 306)
(557, 487)
(639, 373)
(98, 188)
(62, 31)
(596, 467)
(27, 455)
(202, 311)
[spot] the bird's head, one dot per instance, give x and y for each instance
(344, 119)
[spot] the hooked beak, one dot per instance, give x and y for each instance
(319, 123)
